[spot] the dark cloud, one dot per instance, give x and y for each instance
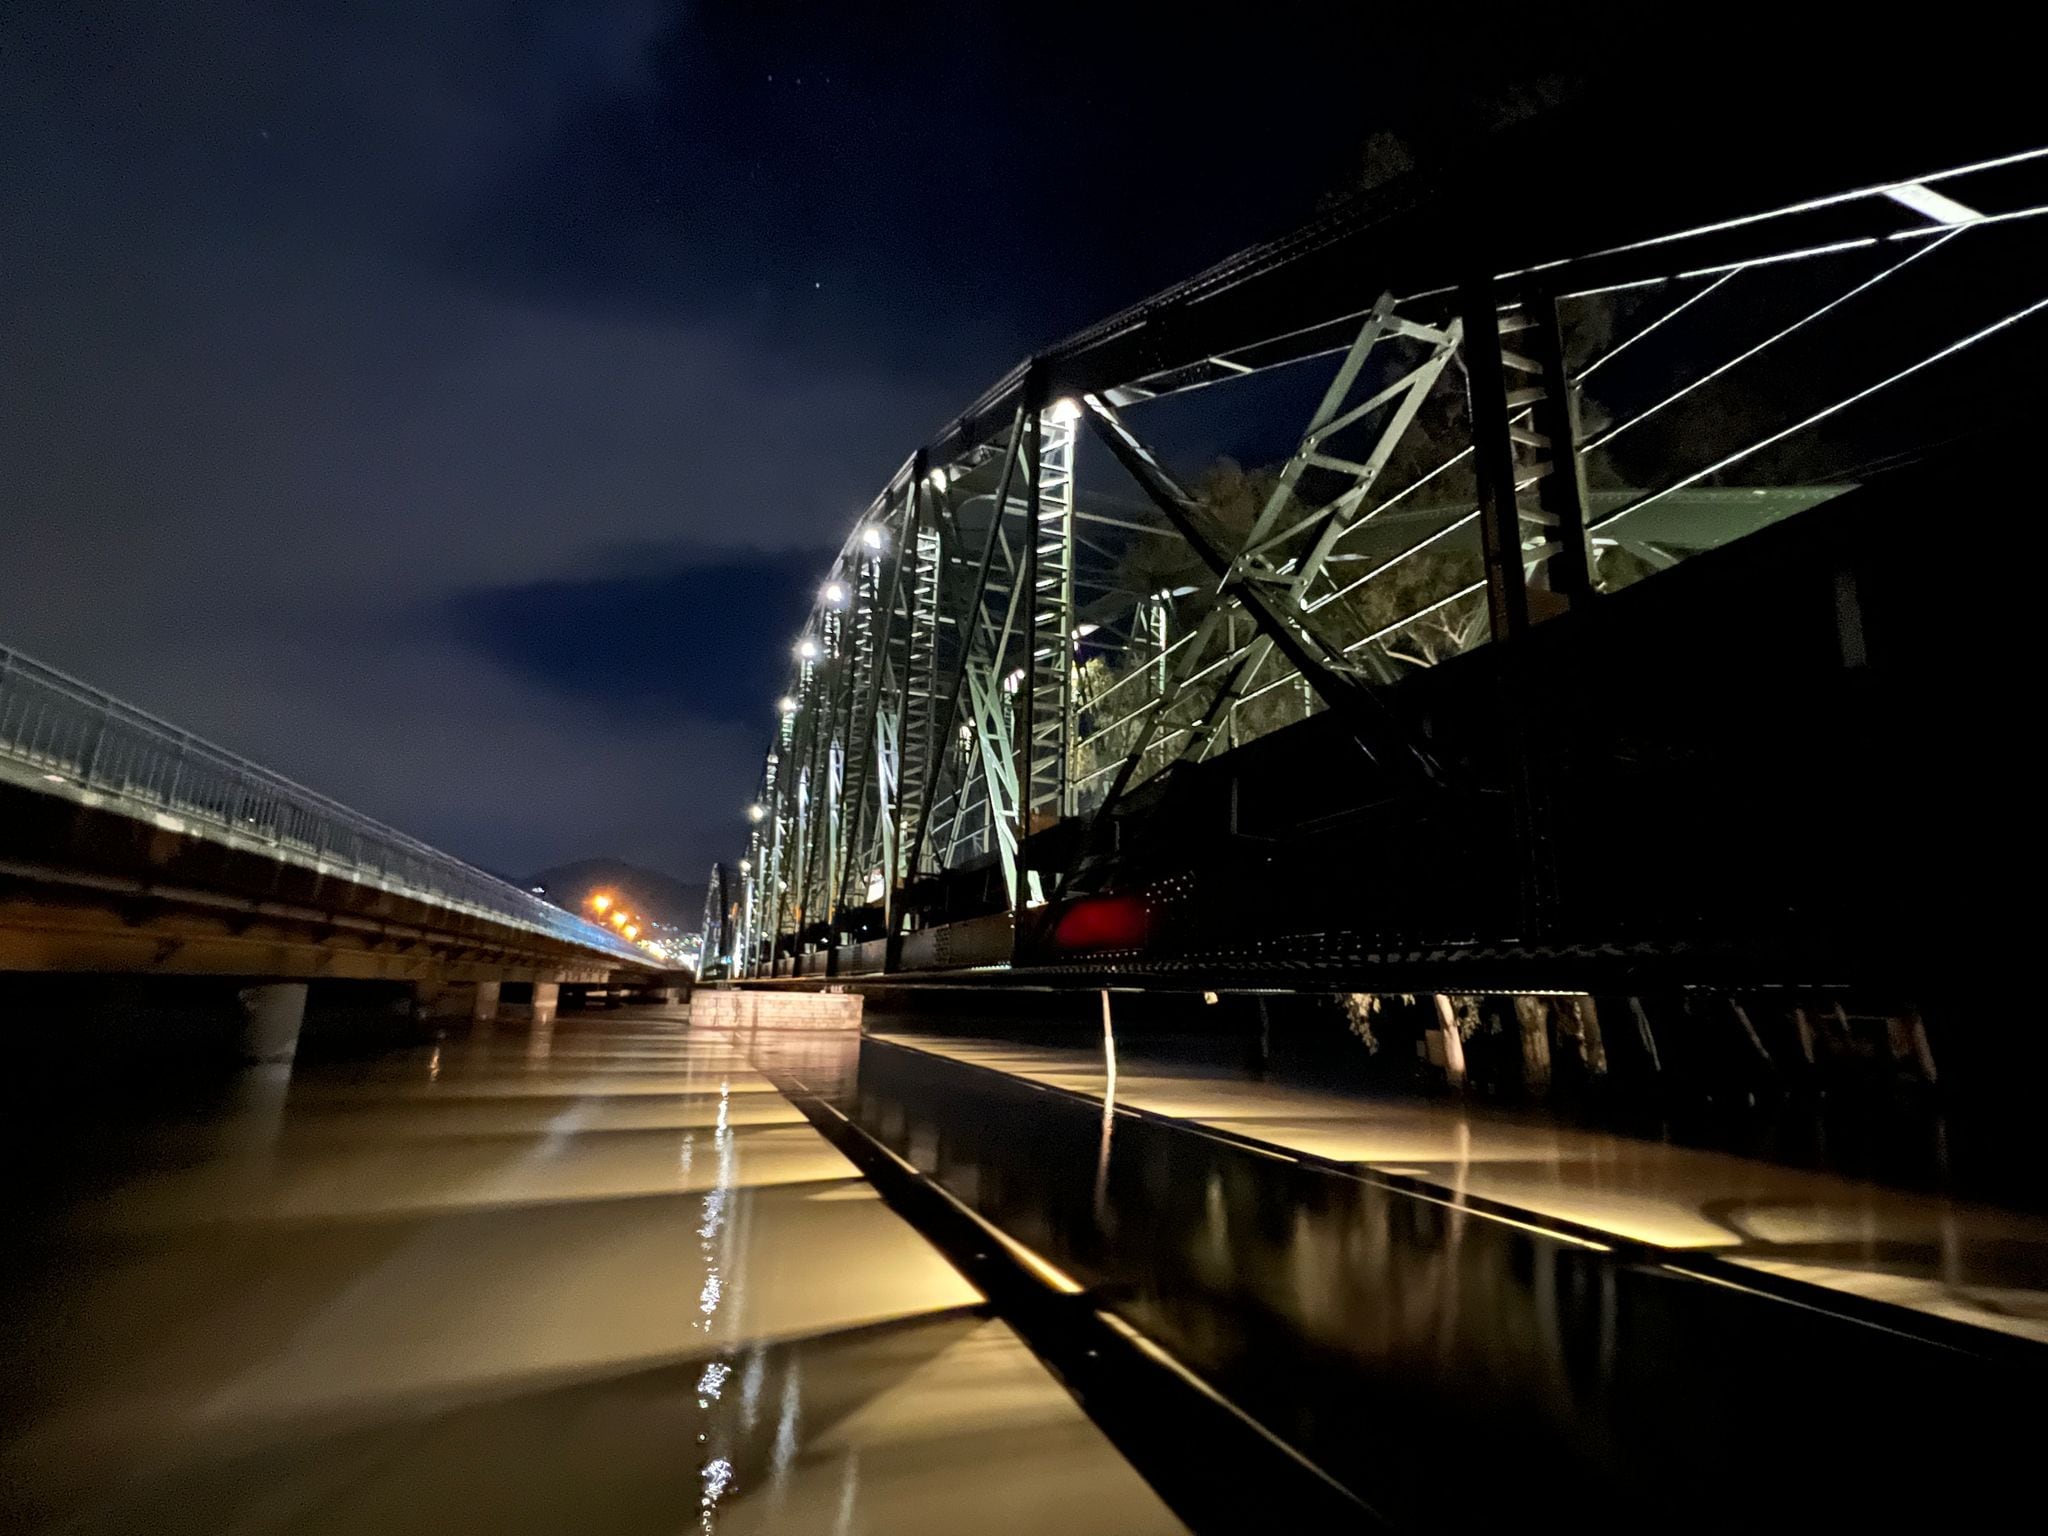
(708, 640)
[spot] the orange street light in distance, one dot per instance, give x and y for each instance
(600, 901)
(631, 932)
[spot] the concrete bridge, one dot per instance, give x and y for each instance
(129, 846)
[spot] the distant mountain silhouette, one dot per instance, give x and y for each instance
(657, 897)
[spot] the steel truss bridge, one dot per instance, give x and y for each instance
(1561, 633)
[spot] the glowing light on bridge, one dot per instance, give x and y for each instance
(1103, 922)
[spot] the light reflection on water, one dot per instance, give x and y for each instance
(717, 1471)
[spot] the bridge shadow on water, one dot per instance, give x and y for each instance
(1465, 1359)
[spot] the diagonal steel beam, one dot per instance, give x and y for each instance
(1322, 663)
(1411, 390)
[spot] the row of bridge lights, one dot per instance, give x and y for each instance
(834, 593)
(609, 910)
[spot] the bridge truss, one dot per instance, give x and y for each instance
(1075, 592)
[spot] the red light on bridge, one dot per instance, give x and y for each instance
(1103, 922)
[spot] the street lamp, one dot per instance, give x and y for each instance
(755, 813)
(808, 650)
(835, 593)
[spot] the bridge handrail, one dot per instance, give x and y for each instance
(68, 731)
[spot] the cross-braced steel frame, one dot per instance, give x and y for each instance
(992, 668)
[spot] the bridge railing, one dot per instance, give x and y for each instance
(58, 730)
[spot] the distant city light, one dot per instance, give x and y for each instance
(630, 931)
(601, 902)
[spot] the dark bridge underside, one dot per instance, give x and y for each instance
(1775, 766)
(89, 889)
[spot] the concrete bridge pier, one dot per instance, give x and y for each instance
(272, 1015)
(457, 1002)
(534, 1002)
(483, 1002)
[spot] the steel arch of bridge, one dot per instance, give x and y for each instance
(943, 721)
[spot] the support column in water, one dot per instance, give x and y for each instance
(272, 1014)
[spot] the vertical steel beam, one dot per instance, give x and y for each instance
(909, 552)
(1493, 462)
(1052, 613)
(878, 625)
(1562, 492)
(1507, 596)
(1027, 777)
(921, 747)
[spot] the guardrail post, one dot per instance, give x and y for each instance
(92, 758)
(170, 795)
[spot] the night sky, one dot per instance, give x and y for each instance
(452, 406)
